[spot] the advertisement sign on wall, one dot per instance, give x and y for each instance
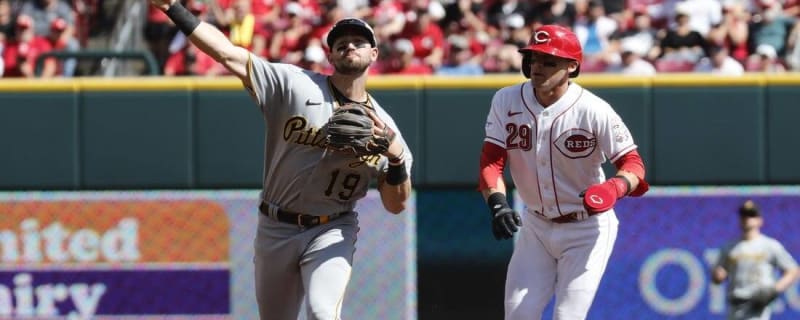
(153, 255)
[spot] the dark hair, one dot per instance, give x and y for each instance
(749, 209)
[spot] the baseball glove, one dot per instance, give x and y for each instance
(350, 129)
(764, 296)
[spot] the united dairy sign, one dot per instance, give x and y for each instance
(80, 259)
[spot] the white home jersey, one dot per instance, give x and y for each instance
(576, 134)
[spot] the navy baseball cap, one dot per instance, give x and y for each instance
(350, 26)
(749, 209)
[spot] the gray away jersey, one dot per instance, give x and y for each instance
(300, 175)
(752, 264)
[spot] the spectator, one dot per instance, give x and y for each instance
(43, 12)
(2, 63)
(560, 12)
(765, 60)
(191, 61)
(681, 43)
(660, 11)
(6, 21)
(499, 10)
(719, 62)
(640, 38)
(632, 64)
(594, 31)
(186, 59)
(242, 28)
(158, 31)
(793, 48)
(771, 27)
(516, 31)
(388, 19)
(57, 41)
(21, 52)
(404, 61)
(732, 32)
(314, 59)
(288, 43)
(426, 36)
(55, 16)
(702, 14)
(321, 28)
(465, 14)
(460, 59)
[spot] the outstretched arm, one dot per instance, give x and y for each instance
(207, 38)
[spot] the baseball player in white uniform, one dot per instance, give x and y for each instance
(307, 229)
(554, 135)
(751, 263)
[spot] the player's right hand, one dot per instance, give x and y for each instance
(505, 222)
(162, 4)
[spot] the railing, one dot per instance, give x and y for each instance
(145, 56)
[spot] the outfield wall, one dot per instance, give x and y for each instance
(197, 133)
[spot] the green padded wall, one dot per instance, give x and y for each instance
(228, 140)
(38, 141)
(188, 133)
(783, 120)
(709, 135)
(135, 140)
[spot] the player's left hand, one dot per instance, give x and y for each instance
(602, 197)
(505, 222)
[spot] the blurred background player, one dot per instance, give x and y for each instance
(750, 264)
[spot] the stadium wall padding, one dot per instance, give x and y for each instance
(197, 133)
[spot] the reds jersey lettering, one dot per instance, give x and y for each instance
(576, 143)
(578, 134)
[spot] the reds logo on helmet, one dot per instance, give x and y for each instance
(541, 37)
(555, 40)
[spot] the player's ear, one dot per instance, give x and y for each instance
(573, 65)
(374, 54)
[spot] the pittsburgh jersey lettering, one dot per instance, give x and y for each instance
(296, 131)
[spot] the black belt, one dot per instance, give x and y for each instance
(303, 220)
(570, 217)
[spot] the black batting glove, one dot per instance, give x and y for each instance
(505, 221)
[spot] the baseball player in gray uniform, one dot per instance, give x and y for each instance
(750, 264)
(307, 229)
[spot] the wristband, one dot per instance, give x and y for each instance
(627, 185)
(400, 158)
(183, 19)
(396, 174)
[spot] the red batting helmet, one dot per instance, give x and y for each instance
(557, 41)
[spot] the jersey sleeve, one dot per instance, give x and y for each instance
(495, 132)
(613, 135)
(269, 81)
(722, 259)
(783, 259)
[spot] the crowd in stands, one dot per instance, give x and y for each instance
(446, 37)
